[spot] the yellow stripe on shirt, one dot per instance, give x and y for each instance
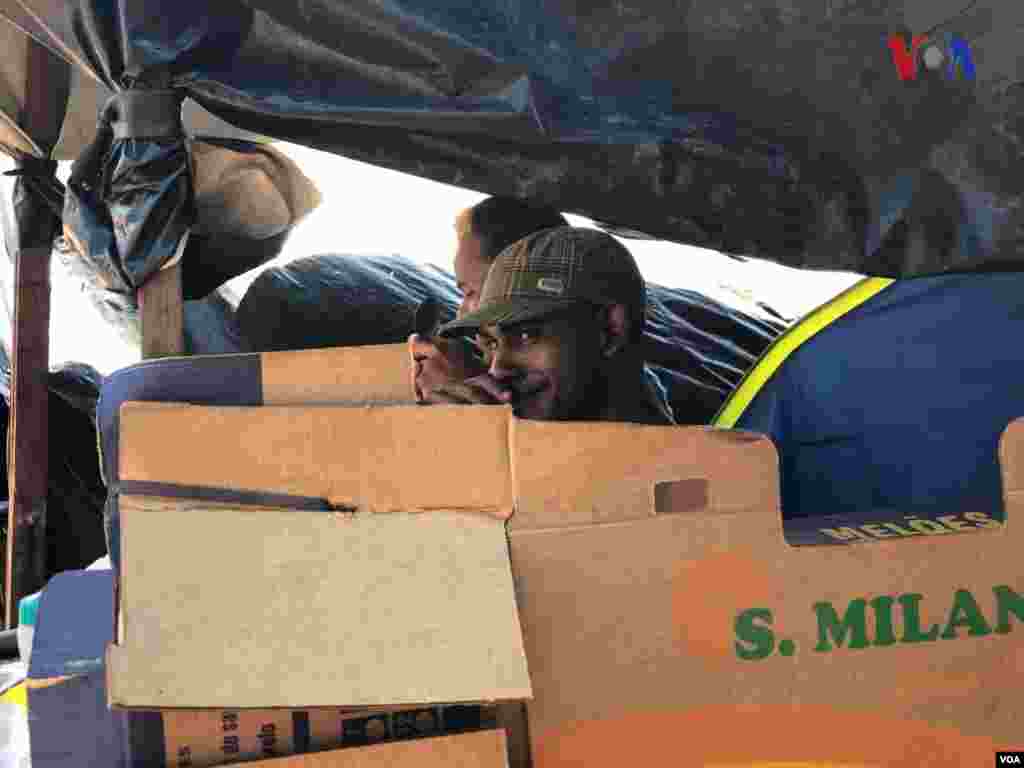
(811, 324)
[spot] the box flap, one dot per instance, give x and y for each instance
(1011, 456)
(371, 374)
(573, 474)
(256, 608)
(485, 749)
(74, 625)
(370, 458)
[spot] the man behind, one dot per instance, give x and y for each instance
(484, 230)
(560, 317)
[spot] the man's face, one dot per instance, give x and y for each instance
(554, 367)
(470, 271)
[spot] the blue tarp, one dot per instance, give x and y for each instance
(816, 134)
(897, 408)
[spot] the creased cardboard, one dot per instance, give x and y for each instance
(699, 637)
(370, 458)
(279, 608)
(339, 375)
(371, 374)
(485, 749)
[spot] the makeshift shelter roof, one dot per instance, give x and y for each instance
(801, 132)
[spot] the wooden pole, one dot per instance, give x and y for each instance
(48, 83)
(28, 429)
(162, 312)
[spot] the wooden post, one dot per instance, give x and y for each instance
(28, 429)
(47, 86)
(162, 312)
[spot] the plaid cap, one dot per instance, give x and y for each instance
(550, 271)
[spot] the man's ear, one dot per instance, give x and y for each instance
(615, 334)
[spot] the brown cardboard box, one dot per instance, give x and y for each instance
(287, 608)
(371, 374)
(667, 622)
(197, 737)
(485, 749)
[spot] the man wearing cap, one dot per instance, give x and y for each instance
(484, 230)
(560, 317)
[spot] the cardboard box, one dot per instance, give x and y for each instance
(341, 375)
(668, 623)
(284, 608)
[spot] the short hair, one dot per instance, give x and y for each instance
(498, 221)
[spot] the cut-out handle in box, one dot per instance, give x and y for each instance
(578, 474)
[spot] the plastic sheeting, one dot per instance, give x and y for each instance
(339, 301)
(813, 134)
(698, 347)
(210, 327)
(129, 205)
(221, 206)
(26, 35)
(34, 87)
(142, 195)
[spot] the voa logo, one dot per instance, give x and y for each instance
(949, 52)
(1009, 759)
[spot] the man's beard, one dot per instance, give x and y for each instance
(592, 400)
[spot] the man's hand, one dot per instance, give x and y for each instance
(441, 367)
(478, 390)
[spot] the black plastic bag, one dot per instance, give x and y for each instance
(128, 206)
(76, 492)
(142, 196)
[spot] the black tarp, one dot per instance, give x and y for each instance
(35, 83)
(87, 94)
(699, 347)
(223, 206)
(76, 492)
(129, 204)
(142, 194)
(780, 129)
